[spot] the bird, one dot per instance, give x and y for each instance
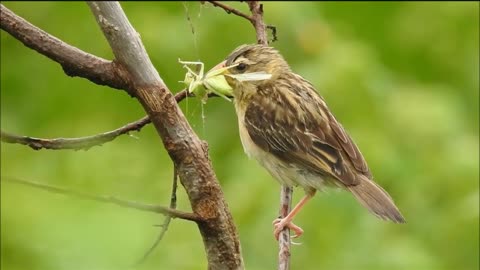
(286, 126)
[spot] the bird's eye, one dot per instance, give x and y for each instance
(241, 67)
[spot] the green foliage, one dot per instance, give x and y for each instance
(402, 78)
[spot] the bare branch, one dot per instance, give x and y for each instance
(109, 199)
(256, 19)
(284, 239)
(257, 15)
(187, 151)
(74, 143)
(74, 61)
(84, 143)
(230, 10)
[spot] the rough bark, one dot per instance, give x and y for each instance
(188, 152)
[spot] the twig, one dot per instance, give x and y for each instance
(84, 143)
(74, 143)
(166, 221)
(256, 19)
(109, 199)
(230, 10)
(284, 239)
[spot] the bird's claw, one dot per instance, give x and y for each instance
(280, 223)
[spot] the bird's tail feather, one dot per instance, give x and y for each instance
(376, 200)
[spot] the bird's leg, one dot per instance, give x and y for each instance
(280, 223)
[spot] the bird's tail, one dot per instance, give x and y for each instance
(376, 200)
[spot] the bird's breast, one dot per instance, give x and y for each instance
(250, 148)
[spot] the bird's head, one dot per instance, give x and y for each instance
(254, 58)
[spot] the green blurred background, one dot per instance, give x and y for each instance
(402, 78)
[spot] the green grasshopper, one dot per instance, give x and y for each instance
(214, 81)
(200, 84)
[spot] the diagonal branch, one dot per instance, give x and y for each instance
(84, 143)
(75, 62)
(256, 19)
(230, 10)
(109, 199)
(187, 151)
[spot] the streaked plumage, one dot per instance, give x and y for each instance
(287, 127)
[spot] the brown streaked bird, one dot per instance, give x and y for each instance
(287, 127)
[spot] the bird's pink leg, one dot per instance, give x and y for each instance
(280, 223)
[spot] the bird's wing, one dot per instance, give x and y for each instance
(304, 133)
(349, 147)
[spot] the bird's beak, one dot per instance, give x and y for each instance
(218, 67)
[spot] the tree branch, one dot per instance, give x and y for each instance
(109, 199)
(84, 143)
(74, 143)
(284, 239)
(257, 15)
(189, 154)
(74, 61)
(256, 19)
(230, 10)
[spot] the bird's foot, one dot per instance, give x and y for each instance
(280, 223)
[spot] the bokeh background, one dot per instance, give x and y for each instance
(402, 77)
